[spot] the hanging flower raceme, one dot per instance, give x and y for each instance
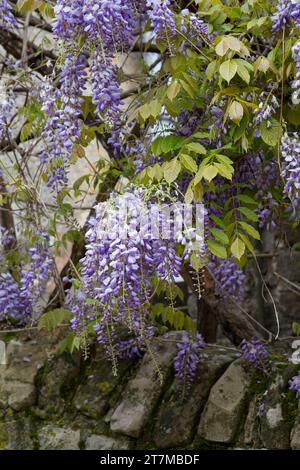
(63, 109)
(290, 152)
(296, 83)
(282, 16)
(163, 19)
(112, 23)
(295, 11)
(194, 27)
(69, 21)
(287, 11)
(19, 297)
(229, 278)
(106, 92)
(266, 109)
(294, 384)
(255, 353)
(187, 358)
(7, 106)
(123, 252)
(7, 18)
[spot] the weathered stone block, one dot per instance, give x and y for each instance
(221, 416)
(143, 392)
(295, 433)
(177, 414)
(53, 437)
(101, 442)
(93, 395)
(17, 395)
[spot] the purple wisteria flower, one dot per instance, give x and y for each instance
(62, 128)
(162, 18)
(255, 353)
(295, 11)
(290, 152)
(68, 22)
(122, 255)
(287, 11)
(296, 83)
(7, 106)
(294, 384)
(189, 121)
(187, 358)
(266, 109)
(7, 19)
(111, 22)
(106, 92)
(18, 297)
(229, 278)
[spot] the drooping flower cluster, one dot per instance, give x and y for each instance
(290, 152)
(18, 297)
(266, 109)
(261, 175)
(162, 19)
(7, 19)
(255, 353)
(6, 236)
(296, 55)
(189, 120)
(187, 358)
(62, 127)
(109, 27)
(295, 12)
(196, 30)
(68, 22)
(111, 22)
(106, 93)
(296, 83)
(294, 384)
(229, 278)
(286, 12)
(7, 105)
(123, 251)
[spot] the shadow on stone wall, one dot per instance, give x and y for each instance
(50, 401)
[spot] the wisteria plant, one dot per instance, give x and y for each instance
(207, 116)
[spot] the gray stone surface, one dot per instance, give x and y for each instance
(20, 395)
(97, 442)
(18, 434)
(221, 416)
(274, 423)
(58, 382)
(53, 437)
(295, 433)
(94, 393)
(251, 425)
(143, 391)
(178, 414)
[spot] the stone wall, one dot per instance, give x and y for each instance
(51, 401)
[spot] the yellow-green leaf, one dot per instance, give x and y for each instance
(250, 230)
(188, 163)
(196, 147)
(216, 249)
(171, 170)
(236, 111)
(228, 69)
(209, 172)
(173, 90)
(238, 248)
(220, 235)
